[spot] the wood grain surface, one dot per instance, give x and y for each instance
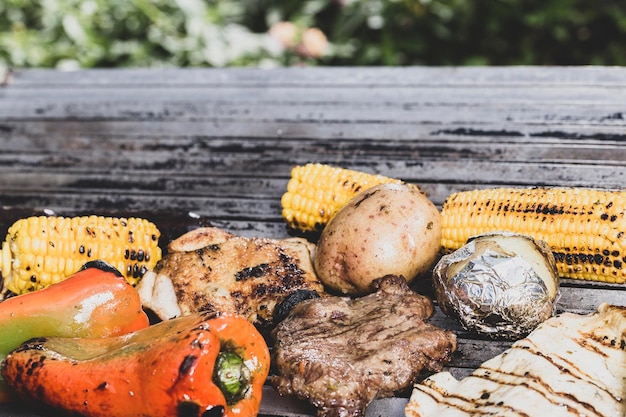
(193, 147)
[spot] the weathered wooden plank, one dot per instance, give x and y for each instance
(81, 141)
(167, 190)
(506, 95)
(375, 76)
(455, 119)
(368, 134)
(218, 208)
(455, 144)
(169, 196)
(437, 177)
(220, 155)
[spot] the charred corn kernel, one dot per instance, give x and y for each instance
(315, 192)
(40, 250)
(585, 228)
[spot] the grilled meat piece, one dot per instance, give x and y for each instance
(571, 365)
(210, 269)
(341, 353)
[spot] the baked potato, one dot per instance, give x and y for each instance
(389, 229)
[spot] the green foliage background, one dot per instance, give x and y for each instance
(123, 33)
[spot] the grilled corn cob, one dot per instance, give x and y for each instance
(315, 192)
(41, 250)
(585, 228)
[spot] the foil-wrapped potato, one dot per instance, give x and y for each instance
(498, 284)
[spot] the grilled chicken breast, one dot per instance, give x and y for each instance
(571, 365)
(210, 269)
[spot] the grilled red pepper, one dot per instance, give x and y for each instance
(204, 364)
(95, 302)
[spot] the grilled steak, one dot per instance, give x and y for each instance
(341, 353)
(210, 269)
(571, 365)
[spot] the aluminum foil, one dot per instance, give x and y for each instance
(494, 291)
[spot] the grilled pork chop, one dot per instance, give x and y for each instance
(571, 365)
(211, 269)
(340, 353)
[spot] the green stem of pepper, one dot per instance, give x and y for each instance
(232, 376)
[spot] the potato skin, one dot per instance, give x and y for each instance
(387, 229)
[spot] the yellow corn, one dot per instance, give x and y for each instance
(315, 192)
(585, 228)
(41, 250)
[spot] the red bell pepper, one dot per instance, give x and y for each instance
(94, 302)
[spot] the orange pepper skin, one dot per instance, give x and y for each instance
(164, 370)
(94, 302)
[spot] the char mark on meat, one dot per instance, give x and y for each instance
(571, 365)
(341, 353)
(212, 269)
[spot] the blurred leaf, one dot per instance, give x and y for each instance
(119, 33)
